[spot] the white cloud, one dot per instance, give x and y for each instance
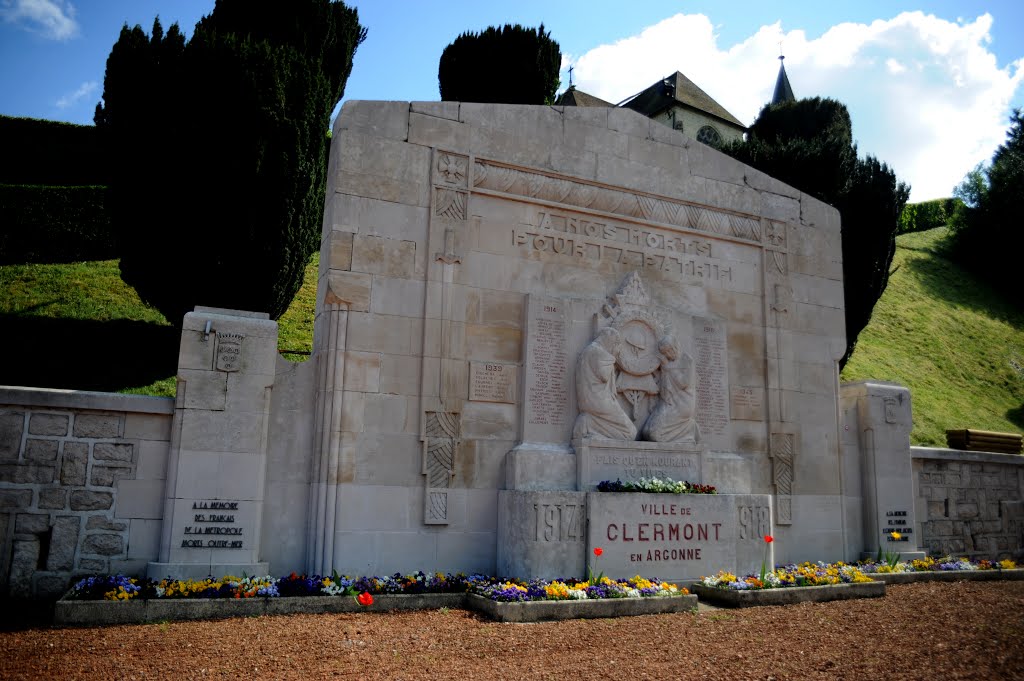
(84, 90)
(925, 94)
(54, 19)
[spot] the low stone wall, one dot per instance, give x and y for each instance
(81, 485)
(969, 503)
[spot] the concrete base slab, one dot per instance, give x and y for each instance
(539, 611)
(788, 595)
(948, 576)
(98, 613)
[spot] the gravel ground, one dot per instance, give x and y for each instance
(936, 631)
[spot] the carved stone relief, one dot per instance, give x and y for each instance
(229, 351)
(440, 445)
(782, 476)
(633, 379)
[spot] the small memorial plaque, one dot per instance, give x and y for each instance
(212, 525)
(747, 404)
(493, 382)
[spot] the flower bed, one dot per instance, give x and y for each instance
(945, 569)
(121, 600)
(536, 611)
(656, 486)
(790, 584)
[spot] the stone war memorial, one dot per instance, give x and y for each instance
(515, 303)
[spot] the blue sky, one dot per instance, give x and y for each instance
(929, 85)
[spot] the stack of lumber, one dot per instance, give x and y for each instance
(984, 441)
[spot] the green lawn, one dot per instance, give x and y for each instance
(78, 326)
(956, 343)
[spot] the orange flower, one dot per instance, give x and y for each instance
(365, 598)
(598, 551)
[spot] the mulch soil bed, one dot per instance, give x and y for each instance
(927, 630)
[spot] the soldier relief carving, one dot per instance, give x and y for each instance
(633, 381)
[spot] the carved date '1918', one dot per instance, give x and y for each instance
(755, 522)
(558, 522)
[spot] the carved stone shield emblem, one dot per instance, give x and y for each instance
(229, 351)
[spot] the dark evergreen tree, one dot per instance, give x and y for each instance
(508, 65)
(987, 237)
(809, 145)
(229, 210)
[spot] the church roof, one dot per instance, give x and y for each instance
(574, 97)
(678, 89)
(783, 92)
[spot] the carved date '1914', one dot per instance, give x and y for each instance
(558, 522)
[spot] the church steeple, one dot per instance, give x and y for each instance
(783, 91)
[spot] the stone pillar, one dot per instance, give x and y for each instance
(884, 423)
(216, 469)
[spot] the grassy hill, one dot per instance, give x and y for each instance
(953, 341)
(78, 326)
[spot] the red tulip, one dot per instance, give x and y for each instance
(365, 598)
(769, 539)
(598, 551)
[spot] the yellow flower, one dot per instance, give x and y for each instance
(557, 591)
(896, 536)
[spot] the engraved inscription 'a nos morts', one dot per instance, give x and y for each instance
(646, 247)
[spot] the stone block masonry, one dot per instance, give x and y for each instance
(71, 466)
(970, 503)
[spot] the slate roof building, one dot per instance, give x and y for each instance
(574, 97)
(677, 102)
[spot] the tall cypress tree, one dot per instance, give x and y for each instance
(219, 154)
(809, 145)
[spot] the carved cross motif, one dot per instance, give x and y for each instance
(452, 168)
(776, 233)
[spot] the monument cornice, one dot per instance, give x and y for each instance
(538, 185)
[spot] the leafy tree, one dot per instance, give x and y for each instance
(987, 237)
(219, 148)
(809, 144)
(508, 65)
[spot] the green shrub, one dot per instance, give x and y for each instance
(508, 65)
(41, 224)
(41, 152)
(918, 217)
